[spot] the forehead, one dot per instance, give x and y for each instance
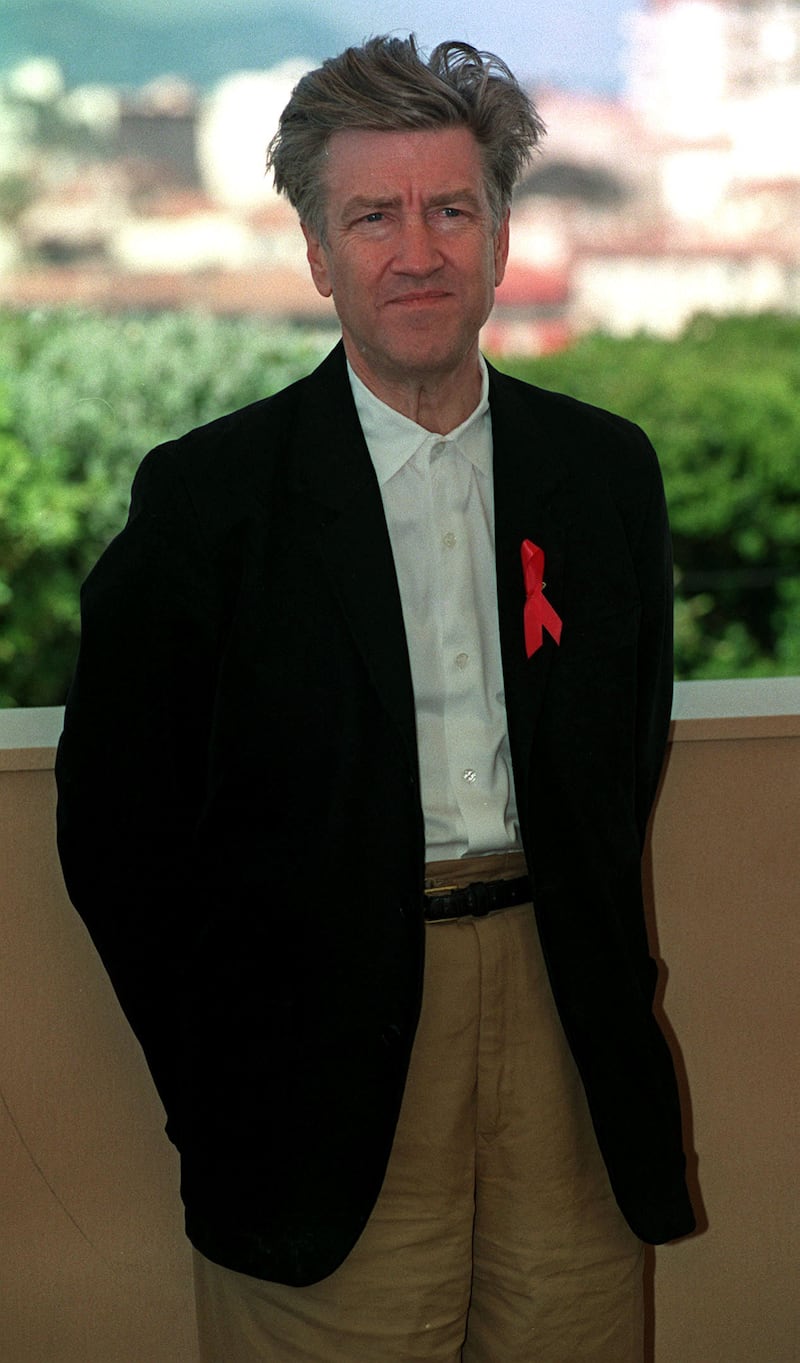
(423, 161)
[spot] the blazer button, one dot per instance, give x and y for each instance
(390, 1034)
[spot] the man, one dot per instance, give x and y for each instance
(367, 724)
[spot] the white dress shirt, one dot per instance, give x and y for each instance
(438, 500)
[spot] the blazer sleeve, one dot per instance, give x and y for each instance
(652, 554)
(130, 764)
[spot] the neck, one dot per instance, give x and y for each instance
(437, 402)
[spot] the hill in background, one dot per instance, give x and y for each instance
(92, 46)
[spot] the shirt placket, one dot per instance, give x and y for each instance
(462, 660)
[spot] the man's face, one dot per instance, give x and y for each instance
(411, 256)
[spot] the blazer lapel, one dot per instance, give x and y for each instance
(335, 475)
(531, 501)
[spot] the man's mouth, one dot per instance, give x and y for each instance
(421, 296)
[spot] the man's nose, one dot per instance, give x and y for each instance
(418, 250)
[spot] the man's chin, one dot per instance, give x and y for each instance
(428, 359)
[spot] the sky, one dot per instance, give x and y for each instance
(571, 44)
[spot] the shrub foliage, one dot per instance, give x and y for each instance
(82, 399)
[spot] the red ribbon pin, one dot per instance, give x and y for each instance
(539, 614)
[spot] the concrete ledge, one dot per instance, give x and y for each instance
(28, 738)
(763, 707)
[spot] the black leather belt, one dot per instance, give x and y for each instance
(476, 900)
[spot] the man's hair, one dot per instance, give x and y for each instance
(387, 86)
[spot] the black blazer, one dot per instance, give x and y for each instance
(239, 813)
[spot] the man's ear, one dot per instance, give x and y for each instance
(317, 258)
(501, 249)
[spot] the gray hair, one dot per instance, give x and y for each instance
(387, 86)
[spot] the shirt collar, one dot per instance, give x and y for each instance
(392, 439)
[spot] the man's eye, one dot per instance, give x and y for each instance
(451, 212)
(373, 217)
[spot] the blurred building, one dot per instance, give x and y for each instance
(716, 83)
(158, 127)
(682, 197)
(714, 94)
(236, 124)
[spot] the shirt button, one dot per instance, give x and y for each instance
(449, 540)
(461, 661)
(469, 775)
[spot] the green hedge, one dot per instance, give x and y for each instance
(82, 398)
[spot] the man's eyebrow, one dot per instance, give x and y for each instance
(453, 196)
(364, 203)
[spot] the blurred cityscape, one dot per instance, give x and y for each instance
(681, 196)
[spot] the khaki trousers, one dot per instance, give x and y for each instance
(496, 1238)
